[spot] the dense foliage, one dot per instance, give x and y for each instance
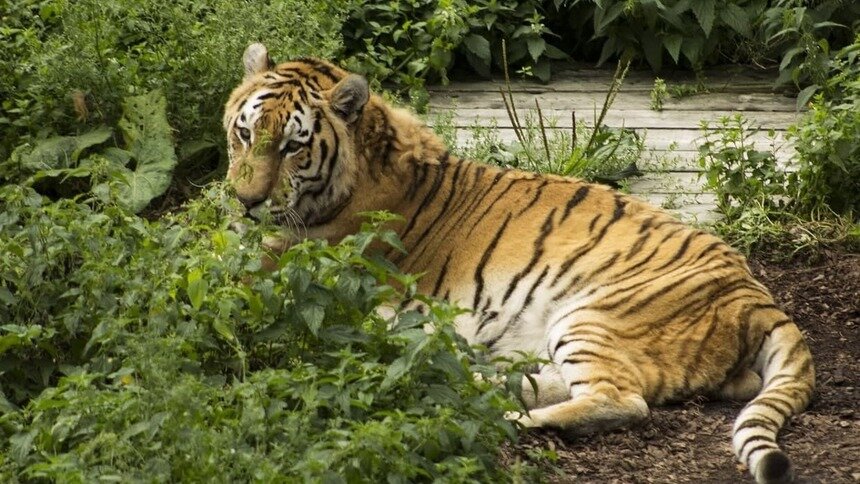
(413, 40)
(828, 141)
(68, 65)
(158, 350)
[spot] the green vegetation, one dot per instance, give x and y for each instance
(134, 349)
(790, 209)
(154, 347)
(68, 66)
(413, 40)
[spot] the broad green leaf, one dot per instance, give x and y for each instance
(62, 151)
(6, 296)
(704, 11)
(735, 17)
(21, 444)
(313, 315)
(554, 52)
(653, 50)
(805, 95)
(541, 70)
(536, 47)
(692, 49)
(478, 46)
(148, 138)
(602, 18)
(197, 288)
(396, 370)
(223, 329)
(673, 45)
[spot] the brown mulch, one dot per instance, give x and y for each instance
(692, 442)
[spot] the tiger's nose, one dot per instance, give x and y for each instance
(251, 202)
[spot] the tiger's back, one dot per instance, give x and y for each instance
(631, 306)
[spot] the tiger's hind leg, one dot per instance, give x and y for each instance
(602, 385)
(592, 413)
(743, 386)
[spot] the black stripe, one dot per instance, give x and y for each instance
(761, 447)
(493, 203)
(441, 276)
(759, 421)
(452, 192)
(537, 253)
(752, 439)
(534, 200)
(479, 271)
(766, 402)
(776, 325)
(575, 200)
(429, 196)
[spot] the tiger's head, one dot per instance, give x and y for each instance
(291, 132)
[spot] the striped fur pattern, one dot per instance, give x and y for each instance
(632, 307)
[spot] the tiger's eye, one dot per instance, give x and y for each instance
(291, 147)
(245, 134)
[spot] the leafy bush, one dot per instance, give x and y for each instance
(739, 174)
(827, 141)
(158, 350)
(805, 33)
(103, 51)
(139, 173)
(413, 40)
(691, 32)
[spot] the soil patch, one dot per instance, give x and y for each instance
(692, 442)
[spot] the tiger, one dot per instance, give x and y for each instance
(628, 306)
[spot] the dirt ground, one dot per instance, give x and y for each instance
(691, 442)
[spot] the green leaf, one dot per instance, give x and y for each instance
(148, 138)
(805, 95)
(223, 329)
(21, 444)
(541, 70)
(653, 50)
(554, 52)
(692, 49)
(396, 370)
(735, 17)
(704, 12)
(313, 316)
(478, 45)
(6, 296)
(536, 47)
(602, 18)
(62, 151)
(197, 288)
(673, 45)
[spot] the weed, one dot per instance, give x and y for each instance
(658, 94)
(736, 171)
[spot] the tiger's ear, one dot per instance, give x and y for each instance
(348, 97)
(256, 59)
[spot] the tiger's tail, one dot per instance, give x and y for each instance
(788, 377)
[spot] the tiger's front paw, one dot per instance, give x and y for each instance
(521, 418)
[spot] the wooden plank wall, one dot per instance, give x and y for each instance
(671, 135)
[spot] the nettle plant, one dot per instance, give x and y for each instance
(409, 41)
(692, 32)
(736, 171)
(159, 350)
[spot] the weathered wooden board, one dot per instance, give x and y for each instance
(671, 136)
(630, 118)
(598, 81)
(657, 139)
(586, 102)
